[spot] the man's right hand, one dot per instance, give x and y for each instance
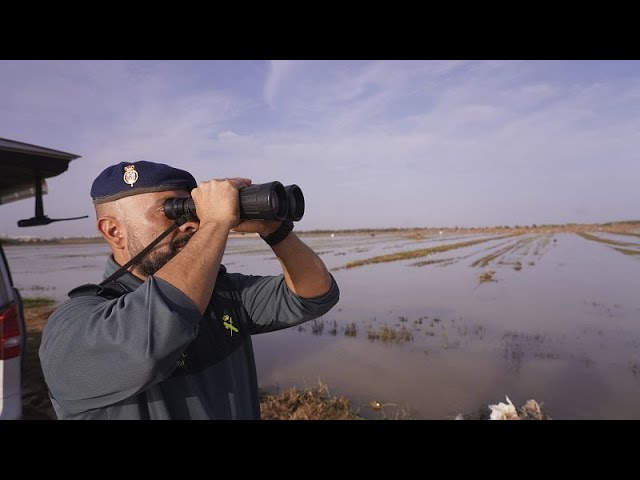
(218, 205)
(217, 201)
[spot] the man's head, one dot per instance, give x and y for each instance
(129, 200)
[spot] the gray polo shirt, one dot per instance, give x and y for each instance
(151, 354)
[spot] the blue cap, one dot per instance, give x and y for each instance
(126, 179)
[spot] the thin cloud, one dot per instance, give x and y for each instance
(278, 74)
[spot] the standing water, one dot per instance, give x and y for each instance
(427, 328)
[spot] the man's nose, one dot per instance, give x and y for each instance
(190, 226)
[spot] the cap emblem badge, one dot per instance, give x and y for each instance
(130, 175)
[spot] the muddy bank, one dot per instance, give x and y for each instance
(35, 401)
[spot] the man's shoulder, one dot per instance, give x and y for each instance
(81, 299)
(68, 311)
(109, 291)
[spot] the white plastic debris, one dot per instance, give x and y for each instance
(503, 411)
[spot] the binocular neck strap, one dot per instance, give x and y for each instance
(123, 269)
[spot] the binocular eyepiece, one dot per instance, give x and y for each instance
(266, 201)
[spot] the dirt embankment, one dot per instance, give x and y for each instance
(35, 400)
(629, 228)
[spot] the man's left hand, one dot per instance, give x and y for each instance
(261, 227)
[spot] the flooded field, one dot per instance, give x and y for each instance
(430, 326)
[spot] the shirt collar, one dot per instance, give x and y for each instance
(127, 278)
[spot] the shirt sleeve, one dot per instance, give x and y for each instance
(272, 306)
(96, 352)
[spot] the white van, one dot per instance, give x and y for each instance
(23, 170)
(12, 345)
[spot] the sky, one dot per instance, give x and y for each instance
(372, 144)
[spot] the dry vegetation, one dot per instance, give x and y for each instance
(541, 234)
(422, 252)
(616, 245)
(390, 335)
(627, 251)
(484, 261)
(631, 227)
(595, 238)
(310, 404)
(487, 276)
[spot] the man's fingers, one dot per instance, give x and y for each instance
(240, 182)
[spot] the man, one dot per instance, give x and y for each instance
(174, 341)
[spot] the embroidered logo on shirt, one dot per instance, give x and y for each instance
(181, 361)
(227, 321)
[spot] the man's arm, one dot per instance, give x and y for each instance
(304, 271)
(305, 291)
(97, 352)
(194, 270)
(272, 306)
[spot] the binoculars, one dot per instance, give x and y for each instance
(265, 201)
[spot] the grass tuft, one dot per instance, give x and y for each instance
(31, 302)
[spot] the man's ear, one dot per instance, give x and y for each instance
(113, 231)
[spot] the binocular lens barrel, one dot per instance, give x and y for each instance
(296, 202)
(177, 207)
(266, 201)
